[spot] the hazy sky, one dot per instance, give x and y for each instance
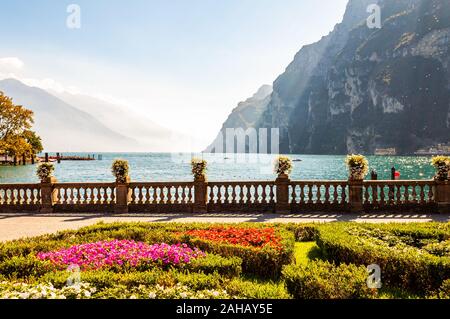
(183, 63)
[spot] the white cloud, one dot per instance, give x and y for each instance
(10, 64)
(13, 67)
(49, 84)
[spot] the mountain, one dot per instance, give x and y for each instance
(245, 115)
(63, 127)
(358, 89)
(150, 135)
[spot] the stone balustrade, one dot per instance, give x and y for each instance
(279, 196)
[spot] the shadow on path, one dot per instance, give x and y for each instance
(240, 217)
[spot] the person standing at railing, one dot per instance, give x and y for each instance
(374, 175)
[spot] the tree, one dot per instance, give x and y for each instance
(16, 145)
(16, 138)
(33, 140)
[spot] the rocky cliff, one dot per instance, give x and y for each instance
(246, 115)
(358, 89)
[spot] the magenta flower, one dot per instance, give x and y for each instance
(106, 254)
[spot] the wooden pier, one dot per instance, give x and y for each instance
(60, 157)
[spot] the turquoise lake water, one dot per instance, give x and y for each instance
(176, 167)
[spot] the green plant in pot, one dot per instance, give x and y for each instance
(199, 167)
(442, 166)
(358, 167)
(283, 166)
(45, 172)
(120, 169)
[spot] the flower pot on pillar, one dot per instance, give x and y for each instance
(282, 184)
(442, 196)
(356, 196)
(49, 195)
(123, 195)
(200, 194)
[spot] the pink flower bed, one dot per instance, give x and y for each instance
(104, 254)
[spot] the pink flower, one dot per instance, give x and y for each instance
(104, 254)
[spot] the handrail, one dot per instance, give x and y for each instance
(280, 195)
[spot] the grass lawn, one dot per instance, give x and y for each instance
(305, 252)
(256, 261)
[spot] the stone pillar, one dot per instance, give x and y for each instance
(282, 205)
(49, 195)
(200, 195)
(442, 196)
(123, 196)
(355, 192)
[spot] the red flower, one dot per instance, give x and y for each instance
(250, 237)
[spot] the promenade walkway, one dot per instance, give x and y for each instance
(15, 226)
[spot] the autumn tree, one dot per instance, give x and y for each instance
(33, 140)
(16, 138)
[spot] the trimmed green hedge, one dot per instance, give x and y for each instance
(303, 232)
(323, 280)
(30, 266)
(400, 251)
(444, 290)
(23, 267)
(228, 267)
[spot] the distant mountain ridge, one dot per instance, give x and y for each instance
(74, 123)
(62, 126)
(148, 134)
(359, 89)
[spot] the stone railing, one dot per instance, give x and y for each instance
(318, 195)
(279, 196)
(20, 197)
(78, 197)
(159, 197)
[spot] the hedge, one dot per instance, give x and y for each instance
(444, 290)
(303, 232)
(323, 280)
(397, 249)
(30, 266)
(23, 267)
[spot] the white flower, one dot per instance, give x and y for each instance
(183, 295)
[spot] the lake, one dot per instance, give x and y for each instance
(221, 167)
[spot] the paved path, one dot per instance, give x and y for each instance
(14, 226)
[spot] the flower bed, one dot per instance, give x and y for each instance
(105, 254)
(248, 237)
(127, 260)
(263, 250)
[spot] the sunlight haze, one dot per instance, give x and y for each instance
(182, 64)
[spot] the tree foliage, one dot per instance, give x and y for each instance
(16, 137)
